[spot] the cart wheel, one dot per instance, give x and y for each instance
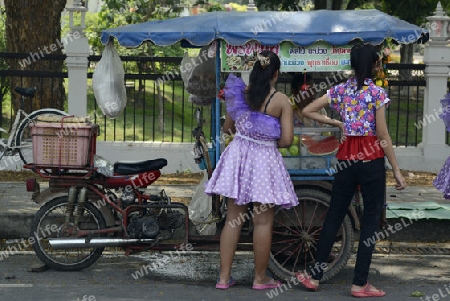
(296, 233)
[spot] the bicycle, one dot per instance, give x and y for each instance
(19, 139)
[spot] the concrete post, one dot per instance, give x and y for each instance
(437, 61)
(77, 51)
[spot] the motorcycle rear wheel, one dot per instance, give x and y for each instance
(48, 222)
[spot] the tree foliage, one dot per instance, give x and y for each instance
(116, 13)
(413, 11)
(306, 5)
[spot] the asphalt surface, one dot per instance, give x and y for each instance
(192, 277)
(411, 264)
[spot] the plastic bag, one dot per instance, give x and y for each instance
(108, 82)
(103, 166)
(200, 209)
(199, 73)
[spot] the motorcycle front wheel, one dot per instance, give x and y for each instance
(50, 222)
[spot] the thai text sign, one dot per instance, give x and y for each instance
(319, 56)
(242, 58)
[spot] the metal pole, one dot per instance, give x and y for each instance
(217, 106)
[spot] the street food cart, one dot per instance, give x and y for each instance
(312, 41)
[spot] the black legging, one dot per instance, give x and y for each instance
(372, 178)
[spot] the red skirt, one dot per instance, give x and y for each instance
(360, 148)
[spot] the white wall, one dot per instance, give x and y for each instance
(180, 158)
(179, 155)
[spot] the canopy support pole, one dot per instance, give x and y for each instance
(216, 107)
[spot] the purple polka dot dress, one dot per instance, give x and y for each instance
(442, 181)
(251, 169)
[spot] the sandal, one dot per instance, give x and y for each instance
(368, 290)
(271, 284)
(305, 279)
(226, 285)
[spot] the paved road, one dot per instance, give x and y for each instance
(192, 277)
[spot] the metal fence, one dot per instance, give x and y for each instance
(163, 112)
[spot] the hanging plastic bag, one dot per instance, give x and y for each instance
(200, 209)
(108, 82)
(199, 73)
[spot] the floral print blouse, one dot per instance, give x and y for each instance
(357, 107)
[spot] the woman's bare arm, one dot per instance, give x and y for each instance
(312, 111)
(386, 143)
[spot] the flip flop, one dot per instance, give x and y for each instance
(271, 284)
(305, 279)
(367, 292)
(225, 286)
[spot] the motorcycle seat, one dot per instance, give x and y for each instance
(135, 167)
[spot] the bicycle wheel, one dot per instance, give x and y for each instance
(23, 139)
(49, 223)
(2, 149)
(296, 234)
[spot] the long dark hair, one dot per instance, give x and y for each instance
(362, 59)
(260, 77)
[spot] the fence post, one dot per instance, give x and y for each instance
(437, 61)
(77, 51)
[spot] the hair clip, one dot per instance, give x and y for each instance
(263, 60)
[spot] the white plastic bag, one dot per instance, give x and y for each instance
(200, 209)
(108, 82)
(104, 167)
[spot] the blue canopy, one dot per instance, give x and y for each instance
(270, 28)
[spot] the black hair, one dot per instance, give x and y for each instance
(259, 82)
(362, 59)
(299, 79)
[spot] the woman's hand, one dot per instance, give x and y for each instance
(340, 125)
(401, 182)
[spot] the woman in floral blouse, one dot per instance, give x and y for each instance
(366, 141)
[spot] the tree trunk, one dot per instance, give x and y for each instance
(406, 57)
(336, 4)
(34, 27)
(352, 4)
(320, 4)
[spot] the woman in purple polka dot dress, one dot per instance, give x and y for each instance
(442, 181)
(251, 169)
